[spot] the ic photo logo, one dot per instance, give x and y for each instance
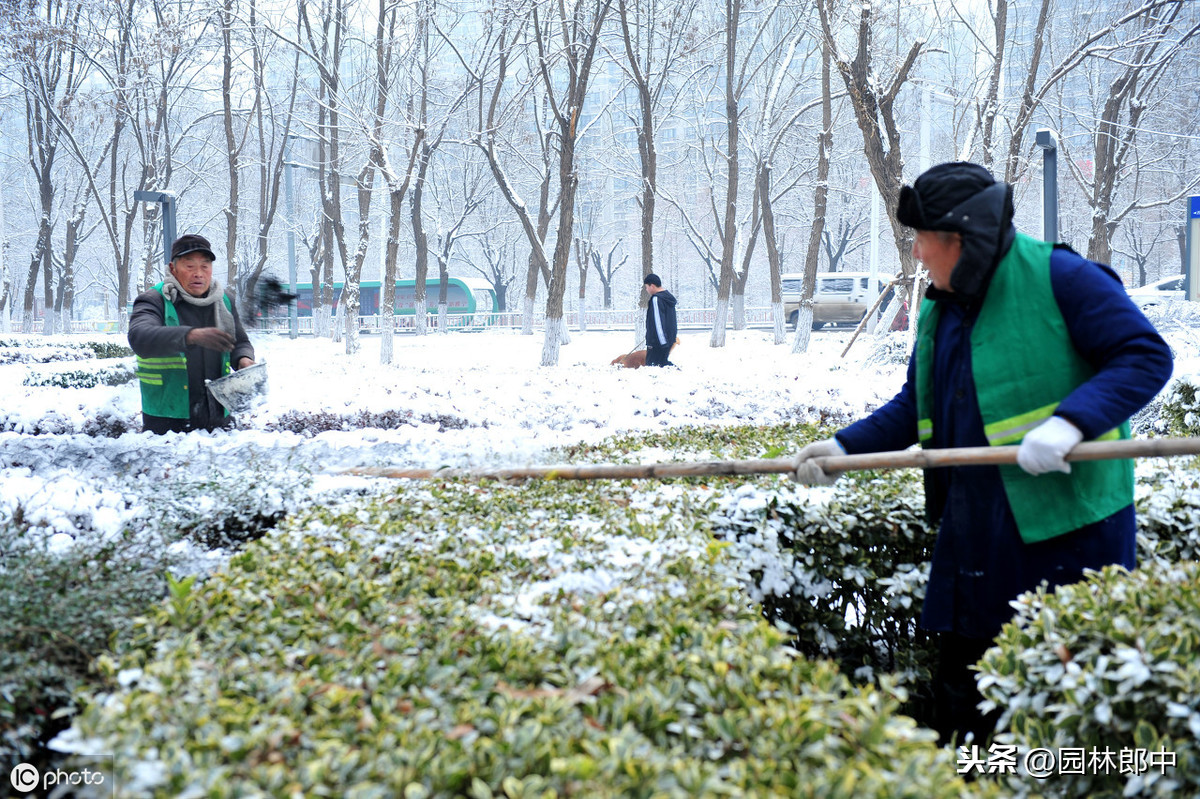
(25, 778)
(89, 778)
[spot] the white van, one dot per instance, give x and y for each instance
(839, 297)
(1151, 294)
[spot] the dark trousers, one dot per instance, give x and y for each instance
(956, 697)
(658, 355)
(162, 425)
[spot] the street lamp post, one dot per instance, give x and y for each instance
(165, 199)
(1048, 141)
(293, 312)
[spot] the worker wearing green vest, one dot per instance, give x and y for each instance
(184, 331)
(1019, 341)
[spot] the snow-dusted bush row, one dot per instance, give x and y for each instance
(1104, 665)
(100, 373)
(1108, 665)
(550, 639)
(19, 355)
(845, 567)
(64, 348)
(80, 558)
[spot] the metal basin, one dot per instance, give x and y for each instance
(238, 391)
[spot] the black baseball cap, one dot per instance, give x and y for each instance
(190, 243)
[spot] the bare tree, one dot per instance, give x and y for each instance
(563, 50)
(270, 126)
(5, 277)
(324, 48)
(874, 103)
(579, 29)
(782, 87)
(1154, 46)
(38, 43)
(657, 36)
(457, 198)
(493, 109)
(499, 250)
(607, 270)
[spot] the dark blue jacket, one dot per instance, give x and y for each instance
(979, 560)
(660, 311)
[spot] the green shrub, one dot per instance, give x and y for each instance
(1107, 664)
(66, 588)
(844, 567)
(1180, 409)
(462, 640)
(1168, 508)
(108, 349)
(117, 374)
(59, 609)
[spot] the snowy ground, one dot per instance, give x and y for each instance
(464, 399)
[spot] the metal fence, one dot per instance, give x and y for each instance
(686, 318)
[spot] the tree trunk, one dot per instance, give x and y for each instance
(232, 149)
(41, 254)
(820, 206)
(568, 182)
(728, 238)
(773, 256)
(387, 307)
(875, 113)
(5, 277)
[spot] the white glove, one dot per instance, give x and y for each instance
(807, 472)
(1045, 447)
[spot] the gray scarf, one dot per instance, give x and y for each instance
(174, 292)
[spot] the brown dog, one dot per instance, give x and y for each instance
(635, 359)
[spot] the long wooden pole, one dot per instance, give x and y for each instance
(902, 459)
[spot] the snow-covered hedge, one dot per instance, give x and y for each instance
(45, 349)
(88, 376)
(1179, 411)
(550, 639)
(1168, 510)
(60, 605)
(1108, 665)
(78, 564)
(845, 567)
(12, 355)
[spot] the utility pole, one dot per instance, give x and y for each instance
(166, 199)
(1048, 141)
(1191, 276)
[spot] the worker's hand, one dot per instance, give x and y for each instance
(243, 362)
(212, 338)
(807, 472)
(1045, 447)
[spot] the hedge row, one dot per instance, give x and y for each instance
(65, 591)
(548, 639)
(596, 640)
(42, 349)
(100, 374)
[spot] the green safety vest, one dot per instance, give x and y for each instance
(1023, 364)
(164, 380)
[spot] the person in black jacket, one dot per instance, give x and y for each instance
(660, 322)
(184, 331)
